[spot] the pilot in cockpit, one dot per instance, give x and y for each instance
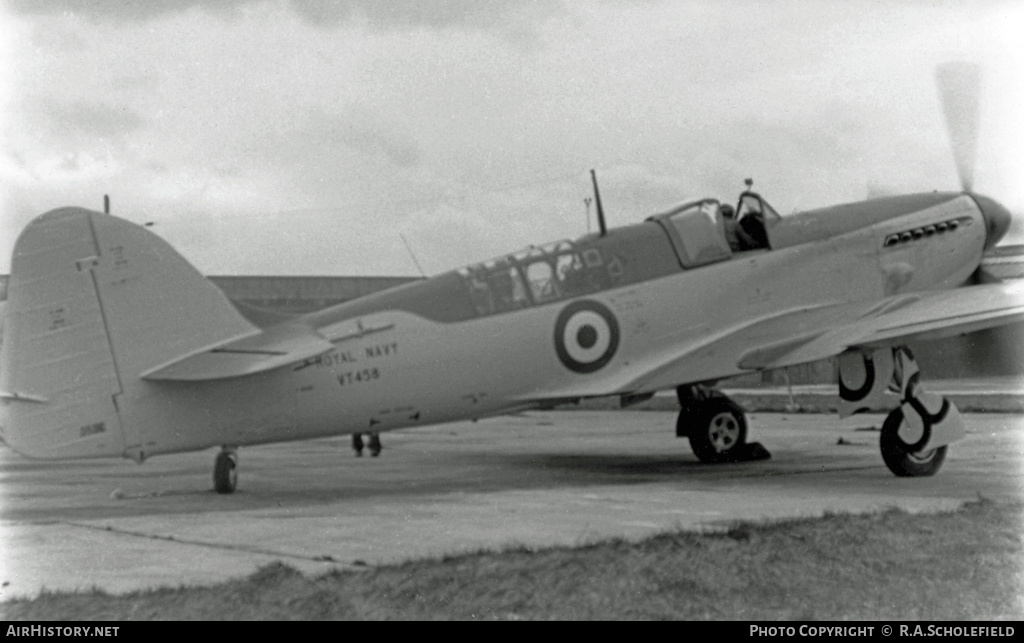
(751, 221)
(738, 237)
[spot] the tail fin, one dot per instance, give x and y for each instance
(92, 302)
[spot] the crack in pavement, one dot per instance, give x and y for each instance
(326, 558)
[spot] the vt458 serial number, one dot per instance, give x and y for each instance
(363, 375)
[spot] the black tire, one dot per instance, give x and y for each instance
(225, 472)
(900, 459)
(718, 430)
(684, 422)
(691, 397)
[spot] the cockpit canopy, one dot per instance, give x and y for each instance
(704, 232)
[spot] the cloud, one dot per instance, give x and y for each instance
(71, 120)
(432, 14)
(363, 130)
(510, 16)
(122, 10)
(327, 150)
(430, 118)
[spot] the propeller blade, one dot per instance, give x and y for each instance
(959, 88)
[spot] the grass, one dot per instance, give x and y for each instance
(966, 564)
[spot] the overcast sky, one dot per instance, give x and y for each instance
(307, 136)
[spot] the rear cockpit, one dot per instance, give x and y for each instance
(538, 275)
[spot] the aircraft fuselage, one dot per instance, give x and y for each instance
(428, 352)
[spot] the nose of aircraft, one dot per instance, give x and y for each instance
(997, 219)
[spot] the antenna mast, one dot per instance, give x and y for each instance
(413, 255)
(600, 210)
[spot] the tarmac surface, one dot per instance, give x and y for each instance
(535, 479)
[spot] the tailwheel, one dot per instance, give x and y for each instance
(717, 431)
(900, 457)
(225, 471)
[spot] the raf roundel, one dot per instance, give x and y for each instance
(586, 336)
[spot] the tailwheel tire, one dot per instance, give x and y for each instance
(225, 472)
(900, 459)
(718, 431)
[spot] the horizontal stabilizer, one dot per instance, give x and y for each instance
(275, 347)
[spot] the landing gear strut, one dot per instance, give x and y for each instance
(715, 425)
(915, 434)
(375, 446)
(225, 470)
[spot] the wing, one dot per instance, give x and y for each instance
(810, 334)
(902, 319)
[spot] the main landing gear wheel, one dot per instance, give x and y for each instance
(899, 456)
(718, 429)
(225, 472)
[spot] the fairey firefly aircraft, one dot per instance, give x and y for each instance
(115, 346)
